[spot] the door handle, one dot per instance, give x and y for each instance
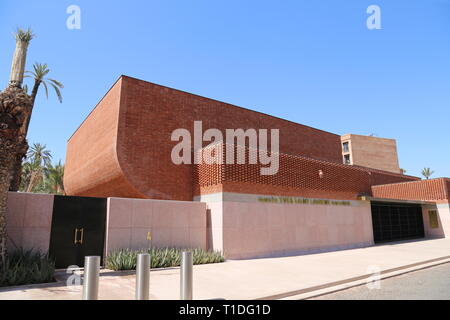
(82, 235)
(80, 241)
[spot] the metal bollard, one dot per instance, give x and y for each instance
(143, 276)
(91, 275)
(186, 278)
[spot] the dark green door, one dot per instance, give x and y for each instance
(78, 230)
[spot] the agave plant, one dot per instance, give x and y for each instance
(126, 259)
(26, 267)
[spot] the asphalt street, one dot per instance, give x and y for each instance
(427, 284)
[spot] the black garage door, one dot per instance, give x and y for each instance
(393, 221)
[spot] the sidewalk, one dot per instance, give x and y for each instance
(272, 278)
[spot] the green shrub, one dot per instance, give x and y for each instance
(125, 259)
(26, 267)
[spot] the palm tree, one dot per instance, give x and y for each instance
(427, 173)
(39, 159)
(55, 177)
(39, 74)
(39, 174)
(27, 168)
(14, 104)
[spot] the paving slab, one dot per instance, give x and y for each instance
(269, 278)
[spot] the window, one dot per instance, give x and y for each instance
(345, 147)
(434, 223)
(347, 159)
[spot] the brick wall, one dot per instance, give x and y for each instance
(123, 149)
(373, 152)
(427, 190)
(297, 176)
(447, 189)
(91, 167)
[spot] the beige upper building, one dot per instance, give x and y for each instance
(372, 152)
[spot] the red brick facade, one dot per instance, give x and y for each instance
(297, 176)
(448, 188)
(123, 148)
(426, 190)
(91, 166)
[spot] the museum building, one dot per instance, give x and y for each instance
(330, 192)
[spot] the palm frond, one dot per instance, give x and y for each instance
(58, 93)
(55, 178)
(24, 35)
(427, 172)
(46, 88)
(40, 70)
(57, 83)
(39, 73)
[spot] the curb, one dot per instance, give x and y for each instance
(335, 286)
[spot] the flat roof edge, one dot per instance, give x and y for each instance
(230, 104)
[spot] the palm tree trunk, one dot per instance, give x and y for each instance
(16, 179)
(10, 144)
(34, 179)
(18, 64)
(13, 103)
(6, 164)
(34, 93)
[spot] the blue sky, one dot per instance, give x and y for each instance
(312, 62)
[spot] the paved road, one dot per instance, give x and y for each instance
(427, 284)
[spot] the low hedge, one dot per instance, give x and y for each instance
(26, 267)
(125, 259)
